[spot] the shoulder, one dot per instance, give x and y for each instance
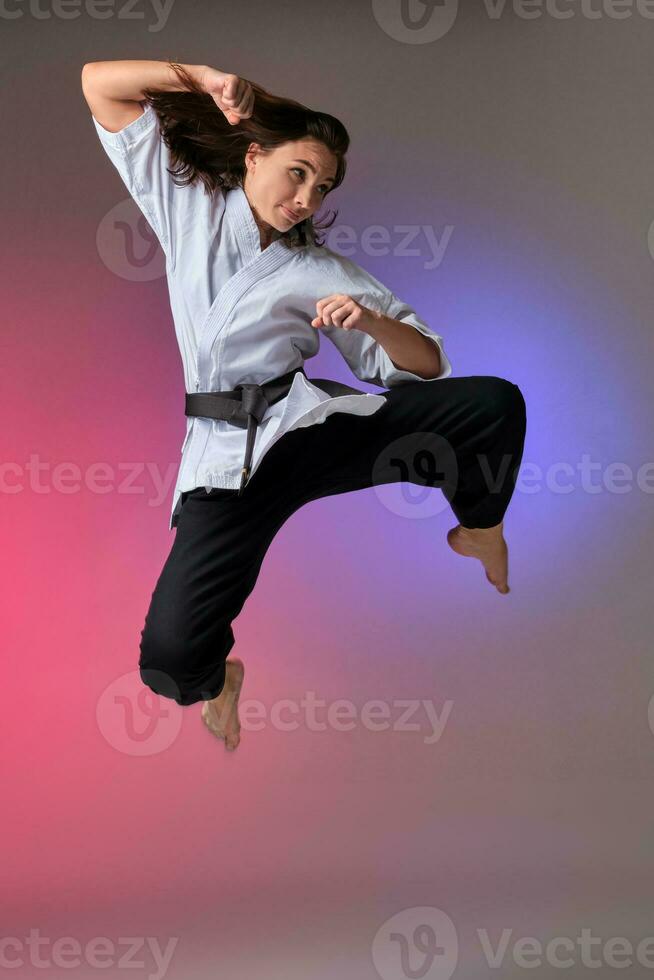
(343, 274)
(325, 261)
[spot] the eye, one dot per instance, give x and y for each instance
(301, 171)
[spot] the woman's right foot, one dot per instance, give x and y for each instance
(488, 545)
(220, 714)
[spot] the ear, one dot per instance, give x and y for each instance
(252, 152)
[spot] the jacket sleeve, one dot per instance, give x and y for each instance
(142, 159)
(365, 357)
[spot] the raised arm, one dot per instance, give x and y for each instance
(122, 97)
(113, 89)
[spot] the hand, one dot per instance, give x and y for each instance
(340, 310)
(234, 96)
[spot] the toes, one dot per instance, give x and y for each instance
(502, 587)
(232, 742)
(231, 739)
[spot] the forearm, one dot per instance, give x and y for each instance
(408, 349)
(126, 80)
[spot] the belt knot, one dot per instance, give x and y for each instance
(253, 400)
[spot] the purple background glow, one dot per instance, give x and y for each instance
(531, 812)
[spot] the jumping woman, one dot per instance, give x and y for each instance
(229, 177)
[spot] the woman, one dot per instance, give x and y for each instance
(229, 177)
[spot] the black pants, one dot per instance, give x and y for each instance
(464, 436)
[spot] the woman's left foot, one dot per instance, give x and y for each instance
(220, 715)
(488, 545)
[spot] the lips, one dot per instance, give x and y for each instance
(291, 214)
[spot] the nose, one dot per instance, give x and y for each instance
(304, 202)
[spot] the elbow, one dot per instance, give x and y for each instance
(89, 71)
(433, 366)
(86, 72)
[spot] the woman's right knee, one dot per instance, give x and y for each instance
(183, 669)
(176, 665)
(163, 660)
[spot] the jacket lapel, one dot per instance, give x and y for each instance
(259, 263)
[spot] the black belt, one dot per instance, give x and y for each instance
(246, 404)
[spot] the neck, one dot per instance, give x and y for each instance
(267, 233)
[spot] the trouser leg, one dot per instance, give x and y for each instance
(462, 435)
(220, 542)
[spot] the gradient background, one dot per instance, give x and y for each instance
(532, 812)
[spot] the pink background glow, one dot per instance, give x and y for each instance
(531, 811)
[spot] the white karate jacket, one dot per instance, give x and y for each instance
(244, 315)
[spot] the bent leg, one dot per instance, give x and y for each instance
(458, 434)
(462, 435)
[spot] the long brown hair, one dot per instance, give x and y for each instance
(205, 146)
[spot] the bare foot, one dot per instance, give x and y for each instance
(220, 715)
(488, 545)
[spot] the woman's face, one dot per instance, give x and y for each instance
(296, 176)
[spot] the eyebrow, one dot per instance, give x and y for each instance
(311, 167)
